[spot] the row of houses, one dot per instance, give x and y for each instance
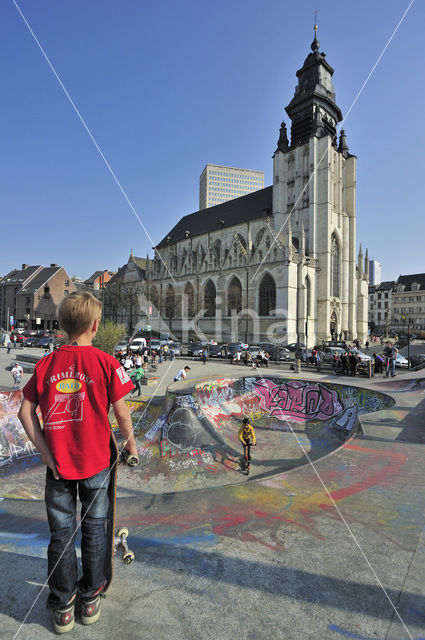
(398, 304)
(29, 296)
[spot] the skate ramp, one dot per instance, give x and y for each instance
(190, 441)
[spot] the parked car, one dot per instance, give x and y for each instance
(121, 346)
(195, 348)
(177, 348)
(341, 344)
(363, 356)
(155, 345)
(330, 352)
(417, 359)
(295, 345)
(233, 348)
(401, 362)
(137, 343)
(215, 351)
(32, 341)
(303, 354)
(45, 342)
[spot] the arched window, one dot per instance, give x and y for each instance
(335, 268)
(154, 298)
(234, 296)
(307, 296)
(170, 302)
(267, 295)
(210, 295)
(189, 296)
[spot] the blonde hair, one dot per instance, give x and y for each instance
(77, 312)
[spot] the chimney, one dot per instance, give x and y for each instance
(24, 266)
(53, 265)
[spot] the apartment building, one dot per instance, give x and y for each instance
(408, 303)
(219, 184)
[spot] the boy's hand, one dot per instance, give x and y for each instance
(48, 460)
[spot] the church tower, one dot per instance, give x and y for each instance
(314, 207)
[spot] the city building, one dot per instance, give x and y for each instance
(99, 279)
(218, 184)
(29, 296)
(375, 271)
(408, 304)
(124, 296)
(380, 305)
(278, 263)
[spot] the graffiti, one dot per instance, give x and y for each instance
(298, 400)
(186, 401)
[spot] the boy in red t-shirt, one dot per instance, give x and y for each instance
(74, 387)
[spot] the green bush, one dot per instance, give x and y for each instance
(108, 335)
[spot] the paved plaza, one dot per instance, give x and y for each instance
(321, 551)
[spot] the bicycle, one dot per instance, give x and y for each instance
(246, 459)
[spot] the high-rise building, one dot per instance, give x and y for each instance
(219, 184)
(375, 271)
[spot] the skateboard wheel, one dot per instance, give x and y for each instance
(122, 532)
(128, 557)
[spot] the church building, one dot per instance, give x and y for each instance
(279, 263)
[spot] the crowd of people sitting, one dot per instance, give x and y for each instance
(138, 363)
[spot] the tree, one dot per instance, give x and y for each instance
(108, 335)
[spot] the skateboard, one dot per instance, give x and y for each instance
(116, 540)
(245, 465)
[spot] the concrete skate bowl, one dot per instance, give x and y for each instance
(190, 442)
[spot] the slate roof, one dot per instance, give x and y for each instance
(39, 280)
(409, 280)
(19, 276)
(257, 204)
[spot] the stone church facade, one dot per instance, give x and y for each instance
(280, 262)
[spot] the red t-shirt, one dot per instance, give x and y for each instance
(74, 387)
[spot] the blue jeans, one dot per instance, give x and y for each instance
(61, 506)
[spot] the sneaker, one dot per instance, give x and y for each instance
(90, 610)
(64, 619)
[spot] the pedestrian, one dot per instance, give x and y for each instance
(51, 346)
(17, 373)
(171, 352)
(379, 363)
(14, 341)
(352, 360)
(344, 364)
(136, 377)
(181, 375)
(204, 356)
(390, 353)
(9, 346)
(367, 346)
(77, 465)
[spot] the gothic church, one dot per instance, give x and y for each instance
(279, 262)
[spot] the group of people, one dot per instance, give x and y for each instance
(260, 359)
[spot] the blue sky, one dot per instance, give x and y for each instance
(166, 87)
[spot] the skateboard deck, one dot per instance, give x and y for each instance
(108, 568)
(114, 541)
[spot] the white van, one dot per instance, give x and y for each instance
(137, 343)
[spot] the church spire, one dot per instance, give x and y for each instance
(314, 94)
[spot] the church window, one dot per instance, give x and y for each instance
(154, 297)
(170, 302)
(260, 256)
(209, 299)
(268, 243)
(189, 294)
(335, 268)
(275, 253)
(267, 295)
(234, 296)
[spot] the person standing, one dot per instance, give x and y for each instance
(17, 373)
(77, 455)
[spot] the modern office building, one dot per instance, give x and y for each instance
(375, 273)
(219, 184)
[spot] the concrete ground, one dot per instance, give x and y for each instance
(334, 550)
